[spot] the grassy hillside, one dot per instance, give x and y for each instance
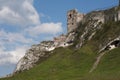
(64, 64)
(67, 64)
(109, 67)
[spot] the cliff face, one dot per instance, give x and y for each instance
(94, 22)
(89, 25)
(86, 31)
(34, 54)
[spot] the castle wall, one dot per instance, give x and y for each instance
(61, 38)
(73, 18)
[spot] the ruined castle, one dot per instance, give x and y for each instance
(73, 19)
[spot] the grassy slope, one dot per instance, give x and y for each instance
(109, 67)
(65, 64)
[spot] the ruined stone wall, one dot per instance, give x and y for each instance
(73, 18)
(60, 41)
(60, 38)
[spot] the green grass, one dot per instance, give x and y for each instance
(67, 64)
(64, 64)
(109, 67)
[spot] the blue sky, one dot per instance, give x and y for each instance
(27, 22)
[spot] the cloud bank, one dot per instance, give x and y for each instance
(20, 12)
(22, 15)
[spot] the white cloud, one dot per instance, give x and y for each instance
(20, 12)
(45, 28)
(12, 57)
(33, 15)
(17, 37)
(6, 14)
(9, 40)
(14, 37)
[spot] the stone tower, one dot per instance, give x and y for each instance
(73, 18)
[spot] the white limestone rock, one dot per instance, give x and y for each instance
(34, 54)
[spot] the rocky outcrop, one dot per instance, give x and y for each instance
(34, 54)
(70, 37)
(38, 53)
(90, 23)
(111, 45)
(93, 22)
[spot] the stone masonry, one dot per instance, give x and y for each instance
(73, 18)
